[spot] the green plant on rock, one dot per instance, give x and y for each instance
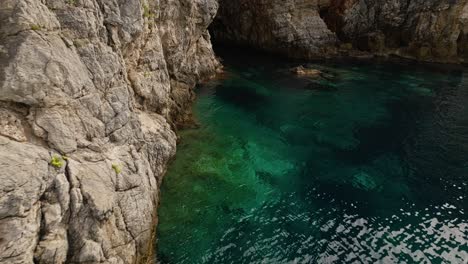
(57, 162)
(35, 27)
(116, 168)
(71, 2)
(147, 12)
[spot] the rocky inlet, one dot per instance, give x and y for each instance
(93, 92)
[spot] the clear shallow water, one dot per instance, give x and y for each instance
(371, 165)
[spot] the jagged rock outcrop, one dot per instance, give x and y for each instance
(291, 27)
(91, 91)
(418, 29)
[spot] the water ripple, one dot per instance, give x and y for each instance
(371, 171)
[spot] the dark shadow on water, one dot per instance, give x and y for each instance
(240, 96)
(321, 87)
(383, 136)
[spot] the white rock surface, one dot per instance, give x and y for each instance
(99, 85)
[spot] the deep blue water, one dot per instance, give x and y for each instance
(368, 164)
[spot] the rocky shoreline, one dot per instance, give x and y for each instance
(92, 93)
(430, 31)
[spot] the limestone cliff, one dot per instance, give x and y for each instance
(424, 30)
(291, 27)
(91, 91)
(417, 29)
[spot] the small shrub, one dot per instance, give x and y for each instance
(71, 2)
(35, 27)
(57, 162)
(147, 12)
(116, 168)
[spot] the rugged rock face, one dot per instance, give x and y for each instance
(291, 27)
(418, 29)
(91, 91)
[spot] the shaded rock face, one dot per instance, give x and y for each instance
(291, 27)
(417, 29)
(98, 86)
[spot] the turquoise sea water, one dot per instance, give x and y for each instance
(369, 164)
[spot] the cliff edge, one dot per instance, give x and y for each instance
(91, 91)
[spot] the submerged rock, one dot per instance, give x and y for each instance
(309, 72)
(321, 86)
(364, 181)
(317, 80)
